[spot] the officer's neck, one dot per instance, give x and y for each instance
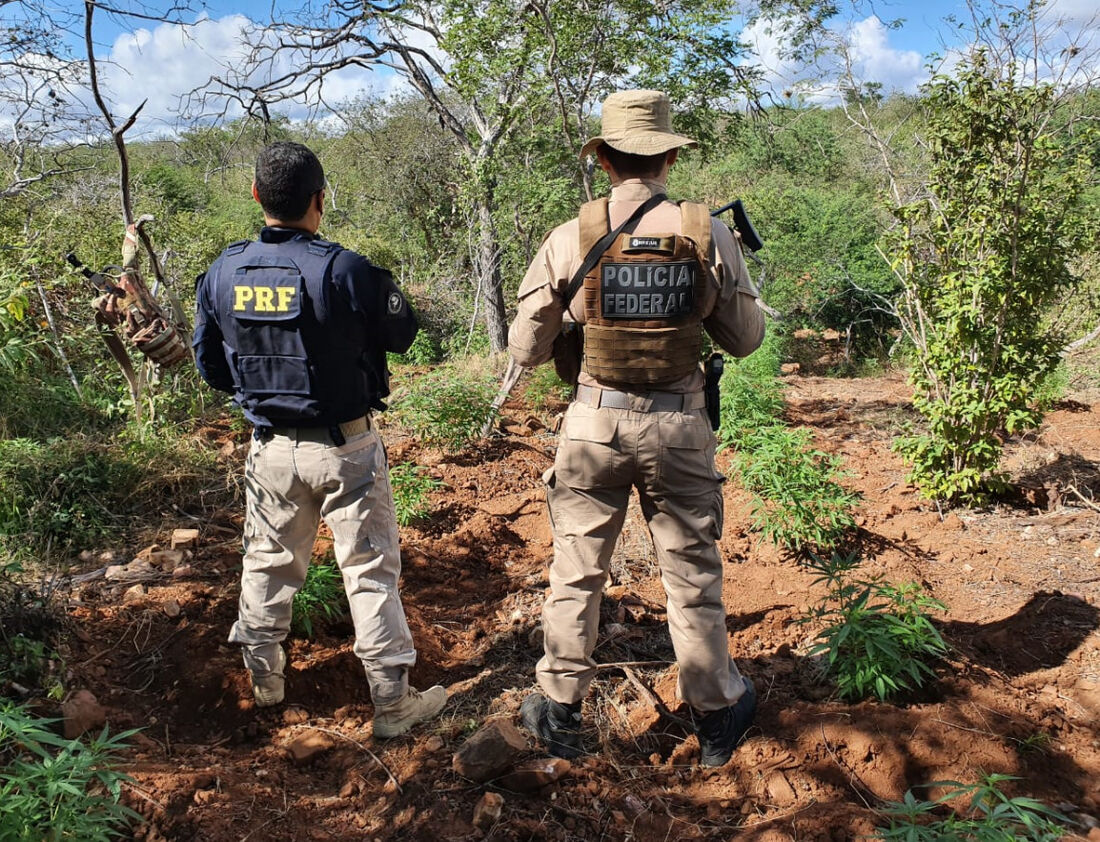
(298, 225)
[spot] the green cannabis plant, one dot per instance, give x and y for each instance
(446, 407)
(53, 789)
(321, 597)
(798, 501)
(877, 637)
(411, 487)
(989, 816)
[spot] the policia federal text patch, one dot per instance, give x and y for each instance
(647, 290)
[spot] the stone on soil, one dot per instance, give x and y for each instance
(490, 752)
(307, 747)
(535, 774)
(184, 538)
(82, 712)
(487, 811)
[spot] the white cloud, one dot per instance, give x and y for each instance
(874, 60)
(870, 55)
(166, 63)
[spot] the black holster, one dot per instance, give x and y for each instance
(713, 376)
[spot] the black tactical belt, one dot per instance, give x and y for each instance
(640, 401)
(347, 430)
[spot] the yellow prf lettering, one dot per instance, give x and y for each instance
(264, 295)
(286, 294)
(243, 296)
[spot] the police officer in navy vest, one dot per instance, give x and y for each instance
(297, 329)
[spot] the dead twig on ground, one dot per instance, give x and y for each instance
(363, 748)
(650, 698)
(858, 786)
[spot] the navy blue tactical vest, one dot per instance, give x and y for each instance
(298, 353)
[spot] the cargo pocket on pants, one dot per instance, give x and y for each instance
(586, 450)
(687, 459)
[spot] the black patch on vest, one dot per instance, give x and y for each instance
(647, 290)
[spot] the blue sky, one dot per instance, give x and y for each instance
(143, 59)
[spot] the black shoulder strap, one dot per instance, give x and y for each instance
(604, 243)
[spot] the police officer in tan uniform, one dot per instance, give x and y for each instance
(638, 421)
(297, 328)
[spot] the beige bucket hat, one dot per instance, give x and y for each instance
(638, 123)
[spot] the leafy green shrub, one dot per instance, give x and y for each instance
(877, 638)
(447, 407)
(425, 350)
(70, 492)
(55, 789)
(321, 597)
(981, 260)
(990, 816)
(59, 494)
(798, 500)
(411, 487)
(751, 396)
(544, 385)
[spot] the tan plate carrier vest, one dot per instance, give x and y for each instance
(643, 300)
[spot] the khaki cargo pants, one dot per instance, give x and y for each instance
(293, 479)
(669, 457)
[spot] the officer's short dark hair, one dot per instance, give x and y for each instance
(634, 166)
(287, 176)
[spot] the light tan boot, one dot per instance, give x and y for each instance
(268, 687)
(396, 718)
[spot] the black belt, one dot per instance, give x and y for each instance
(640, 401)
(337, 434)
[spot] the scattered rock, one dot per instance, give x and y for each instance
(490, 752)
(86, 556)
(143, 555)
(184, 538)
(350, 789)
(171, 608)
(805, 333)
(1091, 822)
(1094, 835)
(535, 774)
(135, 571)
(968, 568)
(183, 571)
(433, 743)
(830, 335)
(295, 715)
(780, 789)
(487, 811)
(133, 593)
(168, 559)
(790, 368)
(106, 557)
(82, 712)
(307, 747)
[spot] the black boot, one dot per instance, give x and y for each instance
(722, 730)
(557, 725)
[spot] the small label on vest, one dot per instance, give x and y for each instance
(647, 290)
(666, 245)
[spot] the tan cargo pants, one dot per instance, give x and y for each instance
(293, 479)
(669, 457)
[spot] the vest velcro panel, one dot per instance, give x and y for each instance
(642, 303)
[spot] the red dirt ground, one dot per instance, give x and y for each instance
(1020, 693)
